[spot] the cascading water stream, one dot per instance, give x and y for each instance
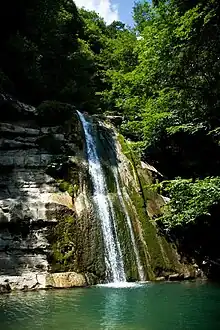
(127, 217)
(113, 255)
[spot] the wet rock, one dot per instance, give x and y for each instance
(5, 288)
(91, 279)
(176, 277)
(160, 279)
(190, 275)
(18, 130)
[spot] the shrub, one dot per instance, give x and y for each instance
(190, 200)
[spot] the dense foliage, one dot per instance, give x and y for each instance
(189, 200)
(170, 95)
(162, 77)
(170, 100)
(47, 53)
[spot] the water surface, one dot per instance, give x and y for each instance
(163, 306)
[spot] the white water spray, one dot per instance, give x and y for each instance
(113, 255)
(128, 219)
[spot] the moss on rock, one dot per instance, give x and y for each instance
(63, 244)
(125, 240)
(72, 189)
(158, 256)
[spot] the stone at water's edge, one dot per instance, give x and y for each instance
(65, 280)
(34, 281)
(25, 282)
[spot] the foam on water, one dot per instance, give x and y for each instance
(122, 284)
(128, 220)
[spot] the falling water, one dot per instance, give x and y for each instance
(113, 255)
(127, 217)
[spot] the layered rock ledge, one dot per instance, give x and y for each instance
(33, 281)
(37, 194)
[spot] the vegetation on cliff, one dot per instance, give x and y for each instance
(162, 77)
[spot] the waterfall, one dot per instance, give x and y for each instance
(113, 254)
(127, 217)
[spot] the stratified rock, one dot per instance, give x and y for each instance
(65, 280)
(33, 162)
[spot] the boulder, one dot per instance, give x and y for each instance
(65, 280)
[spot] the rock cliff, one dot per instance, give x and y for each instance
(36, 194)
(47, 220)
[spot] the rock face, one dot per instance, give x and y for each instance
(25, 191)
(41, 187)
(49, 232)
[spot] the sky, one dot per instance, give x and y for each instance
(110, 10)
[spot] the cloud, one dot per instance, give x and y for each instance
(103, 7)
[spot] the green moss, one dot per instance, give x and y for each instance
(147, 187)
(163, 258)
(63, 244)
(125, 148)
(148, 234)
(109, 177)
(67, 176)
(125, 240)
(170, 250)
(129, 151)
(157, 255)
(143, 255)
(72, 189)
